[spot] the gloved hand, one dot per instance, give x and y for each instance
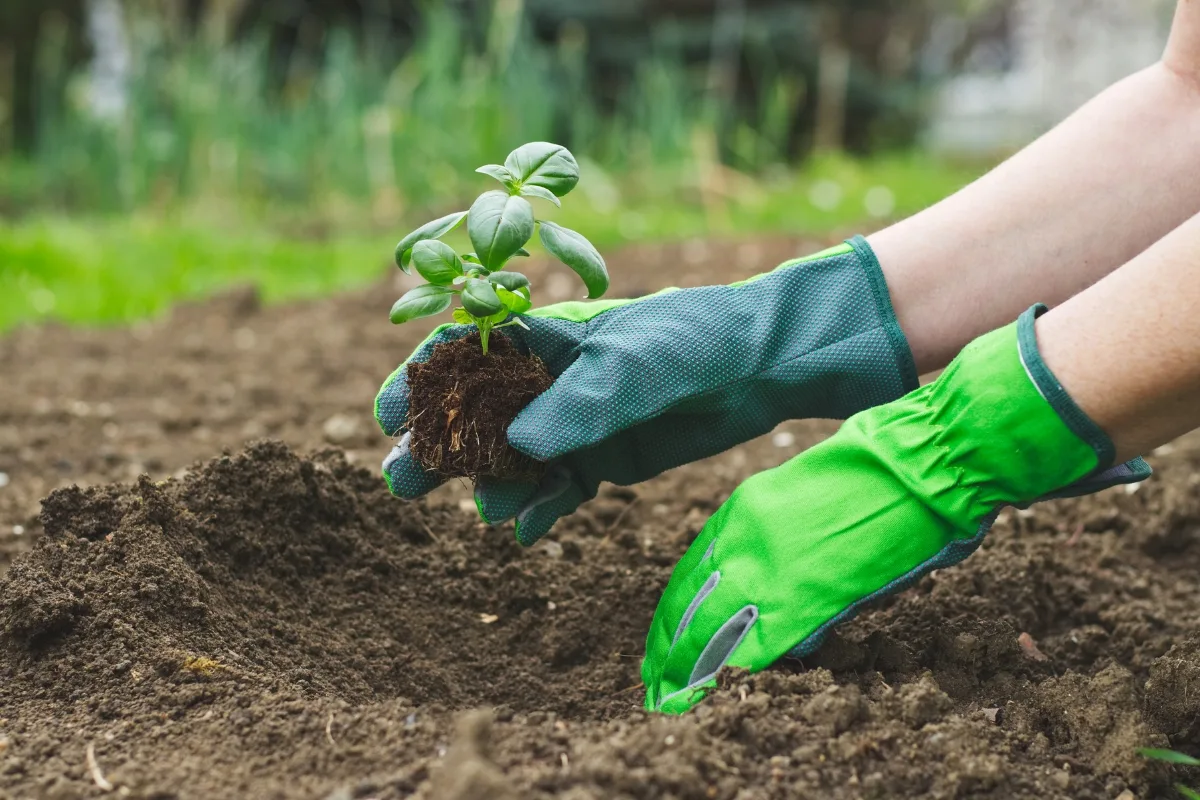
(646, 385)
(899, 490)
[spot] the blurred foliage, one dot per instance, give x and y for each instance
(253, 143)
(127, 267)
(330, 101)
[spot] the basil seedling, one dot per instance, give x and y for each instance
(499, 223)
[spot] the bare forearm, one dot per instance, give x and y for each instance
(1128, 348)
(1067, 210)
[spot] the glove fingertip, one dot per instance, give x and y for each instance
(558, 496)
(406, 478)
(530, 532)
(500, 501)
(391, 404)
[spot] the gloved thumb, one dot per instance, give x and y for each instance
(579, 410)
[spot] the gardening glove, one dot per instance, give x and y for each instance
(900, 490)
(649, 384)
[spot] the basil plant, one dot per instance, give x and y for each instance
(499, 223)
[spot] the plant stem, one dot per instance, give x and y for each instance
(484, 332)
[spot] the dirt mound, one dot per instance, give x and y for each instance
(275, 625)
(306, 574)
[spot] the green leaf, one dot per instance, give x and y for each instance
(471, 257)
(550, 166)
(533, 190)
(1190, 794)
(522, 252)
(423, 301)
(1169, 756)
(516, 303)
(480, 299)
(577, 253)
(499, 225)
(430, 230)
(436, 261)
(509, 280)
(499, 173)
(462, 316)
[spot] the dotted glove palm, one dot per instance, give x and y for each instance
(649, 384)
(899, 490)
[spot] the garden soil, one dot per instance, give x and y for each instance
(208, 592)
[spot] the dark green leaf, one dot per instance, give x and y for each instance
(423, 301)
(577, 253)
(436, 261)
(550, 166)
(533, 190)
(1190, 794)
(499, 173)
(516, 303)
(499, 225)
(509, 280)
(1170, 756)
(480, 299)
(462, 316)
(430, 230)
(522, 252)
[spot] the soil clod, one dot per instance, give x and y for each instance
(461, 403)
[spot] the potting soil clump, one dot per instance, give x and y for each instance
(461, 403)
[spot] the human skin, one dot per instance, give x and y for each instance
(1127, 349)
(1084, 199)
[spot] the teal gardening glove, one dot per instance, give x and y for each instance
(900, 490)
(649, 384)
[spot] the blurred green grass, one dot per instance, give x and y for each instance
(120, 268)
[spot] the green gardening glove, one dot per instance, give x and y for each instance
(899, 490)
(649, 384)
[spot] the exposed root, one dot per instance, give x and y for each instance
(94, 770)
(462, 403)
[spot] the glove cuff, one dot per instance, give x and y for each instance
(1075, 418)
(882, 298)
(1053, 392)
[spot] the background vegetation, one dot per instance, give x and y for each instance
(152, 151)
